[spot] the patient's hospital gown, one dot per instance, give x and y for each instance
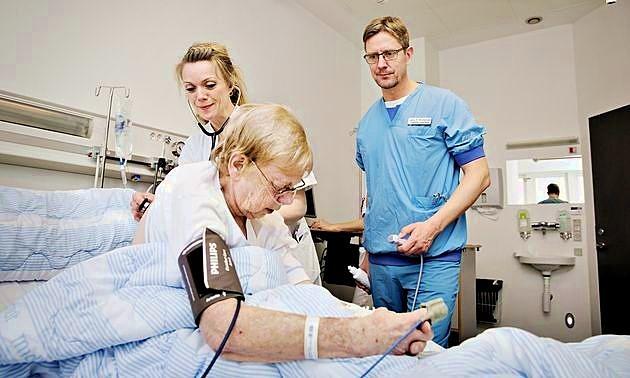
(190, 199)
(198, 147)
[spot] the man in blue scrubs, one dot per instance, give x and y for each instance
(412, 144)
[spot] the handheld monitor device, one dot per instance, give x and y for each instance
(436, 311)
(144, 205)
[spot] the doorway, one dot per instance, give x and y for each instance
(610, 137)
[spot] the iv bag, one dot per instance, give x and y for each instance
(122, 129)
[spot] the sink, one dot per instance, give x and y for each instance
(546, 263)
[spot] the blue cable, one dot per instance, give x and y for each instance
(394, 239)
(225, 338)
(391, 348)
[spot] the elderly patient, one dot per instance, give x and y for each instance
(264, 156)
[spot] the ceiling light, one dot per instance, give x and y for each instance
(534, 20)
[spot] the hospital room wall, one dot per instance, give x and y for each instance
(424, 65)
(59, 53)
(523, 87)
(37, 179)
(602, 65)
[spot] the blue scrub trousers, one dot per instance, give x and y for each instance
(394, 287)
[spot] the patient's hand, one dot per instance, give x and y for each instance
(136, 201)
(385, 326)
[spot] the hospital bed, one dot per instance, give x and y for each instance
(126, 315)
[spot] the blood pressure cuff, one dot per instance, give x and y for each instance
(208, 273)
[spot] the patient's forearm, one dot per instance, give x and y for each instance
(270, 336)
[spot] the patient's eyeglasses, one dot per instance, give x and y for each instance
(280, 194)
(388, 55)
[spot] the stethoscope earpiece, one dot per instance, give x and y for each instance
(238, 97)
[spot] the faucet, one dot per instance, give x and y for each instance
(545, 226)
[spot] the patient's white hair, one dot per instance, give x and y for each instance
(268, 134)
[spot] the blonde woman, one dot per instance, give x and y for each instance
(214, 87)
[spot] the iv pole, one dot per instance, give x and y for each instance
(103, 154)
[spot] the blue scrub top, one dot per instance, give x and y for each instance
(412, 165)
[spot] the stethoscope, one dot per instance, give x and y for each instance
(215, 134)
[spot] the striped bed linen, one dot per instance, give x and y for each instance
(44, 232)
(125, 313)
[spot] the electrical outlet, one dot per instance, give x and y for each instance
(577, 229)
(577, 251)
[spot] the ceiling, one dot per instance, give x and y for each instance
(450, 23)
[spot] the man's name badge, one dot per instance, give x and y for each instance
(419, 121)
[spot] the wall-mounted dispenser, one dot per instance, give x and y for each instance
(565, 225)
(493, 195)
(524, 225)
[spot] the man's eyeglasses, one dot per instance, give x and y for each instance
(388, 55)
(281, 193)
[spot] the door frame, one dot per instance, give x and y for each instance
(589, 228)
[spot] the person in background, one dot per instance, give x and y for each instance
(412, 144)
(214, 88)
(553, 191)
